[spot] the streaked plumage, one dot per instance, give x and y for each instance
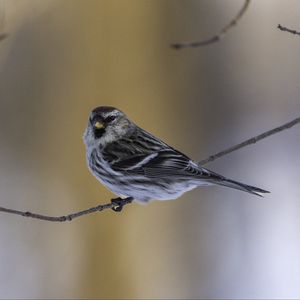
(132, 162)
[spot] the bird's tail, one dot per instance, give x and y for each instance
(242, 187)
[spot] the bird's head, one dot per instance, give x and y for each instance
(106, 124)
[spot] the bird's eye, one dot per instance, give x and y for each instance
(98, 125)
(110, 119)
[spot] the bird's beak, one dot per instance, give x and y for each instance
(98, 125)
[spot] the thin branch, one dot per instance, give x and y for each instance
(282, 28)
(216, 37)
(117, 204)
(250, 141)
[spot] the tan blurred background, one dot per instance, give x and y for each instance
(63, 58)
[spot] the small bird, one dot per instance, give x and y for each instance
(132, 162)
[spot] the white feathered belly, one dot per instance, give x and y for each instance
(144, 189)
(149, 191)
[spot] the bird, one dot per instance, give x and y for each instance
(135, 164)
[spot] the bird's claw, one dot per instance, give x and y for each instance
(118, 204)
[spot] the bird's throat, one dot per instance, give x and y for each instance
(98, 133)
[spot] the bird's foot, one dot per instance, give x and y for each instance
(119, 203)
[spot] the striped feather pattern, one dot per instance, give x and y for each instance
(132, 162)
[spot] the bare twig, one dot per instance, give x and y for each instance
(117, 204)
(250, 141)
(282, 28)
(216, 37)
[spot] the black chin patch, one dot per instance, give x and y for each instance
(98, 132)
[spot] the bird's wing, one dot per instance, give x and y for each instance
(164, 163)
(133, 162)
(144, 154)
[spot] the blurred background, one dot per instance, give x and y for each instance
(62, 59)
